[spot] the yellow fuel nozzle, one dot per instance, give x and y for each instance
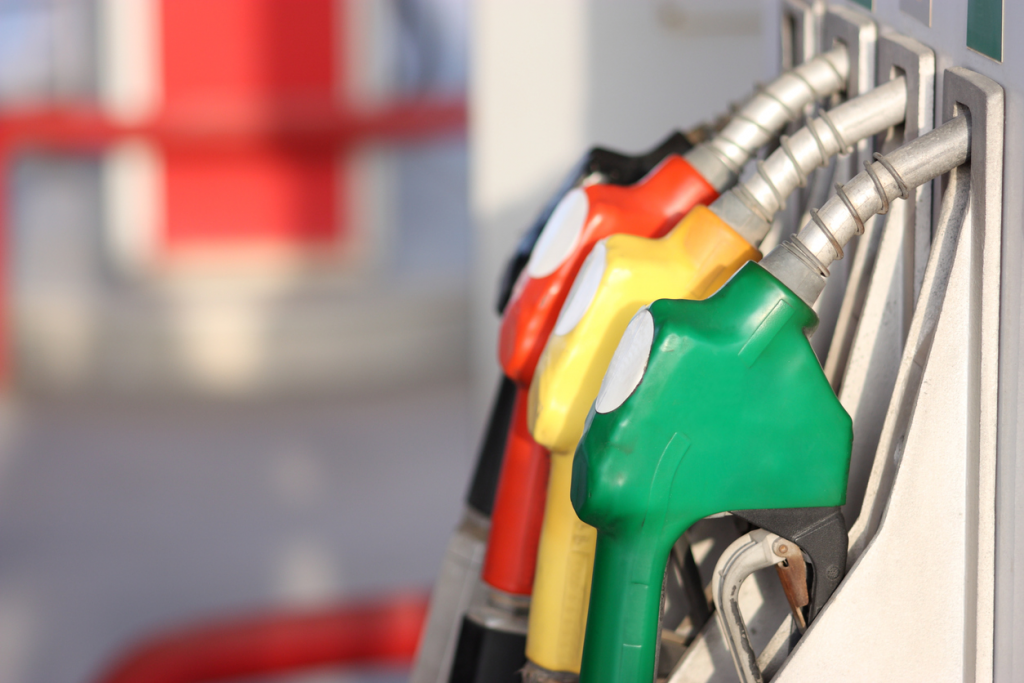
(622, 273)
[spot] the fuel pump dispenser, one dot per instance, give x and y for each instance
(622, 273)
(460, 568)
(725, 385)
(496, 620)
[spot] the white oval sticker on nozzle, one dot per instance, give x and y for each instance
(560, 234)
(583, 291)
(628, 364)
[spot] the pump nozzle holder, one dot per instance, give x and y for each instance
(518, 509)
(622, 273)
(707, 406)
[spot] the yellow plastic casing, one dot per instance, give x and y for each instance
(691, 262)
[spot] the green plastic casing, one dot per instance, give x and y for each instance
(733, 413)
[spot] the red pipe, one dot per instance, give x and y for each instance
(383, 632)
(86, 127)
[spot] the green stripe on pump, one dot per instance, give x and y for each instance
(985, 27)
(868, 4)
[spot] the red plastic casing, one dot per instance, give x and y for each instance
(650, 208)
(518, 509)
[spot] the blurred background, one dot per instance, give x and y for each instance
(250, 251)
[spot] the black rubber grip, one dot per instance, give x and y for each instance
(486, 655)
(821, 533)
(484, 484)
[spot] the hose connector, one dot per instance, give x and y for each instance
(801, 263)
(749, 208)
(768, 112)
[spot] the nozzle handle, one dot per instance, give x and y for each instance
(561, 587)
(625, 605)
(518, 508)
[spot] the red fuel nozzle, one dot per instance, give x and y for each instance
(649, 209)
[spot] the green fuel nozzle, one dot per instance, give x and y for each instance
(721, 405)
(708, 406)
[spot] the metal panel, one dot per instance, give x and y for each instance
(936, 595)
(885, 278)
(859, 33)
(800, 29)
(947, 36)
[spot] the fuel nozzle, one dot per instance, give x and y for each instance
(621, 274)
(598, 165)
(651, 207)
(687, 424)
